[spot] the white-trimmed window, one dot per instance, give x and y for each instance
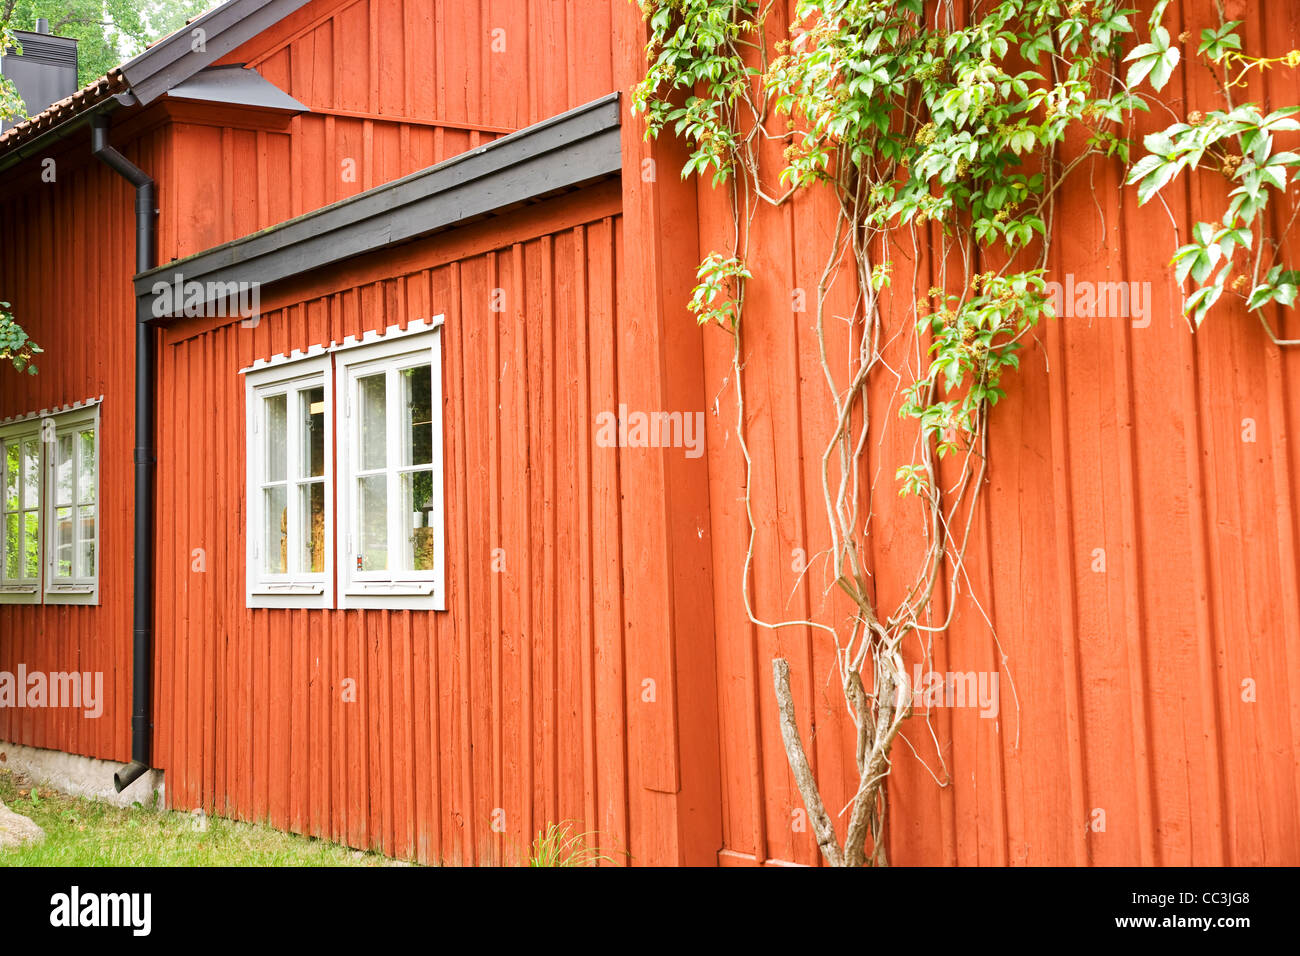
(49, 508)
(20, 514)
(72, 516)
(370, 413)
(290, 445)
(390, 502)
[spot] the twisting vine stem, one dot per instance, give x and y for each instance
(939, 128)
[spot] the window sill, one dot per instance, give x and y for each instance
(20, 594)
(360, 588)
(393, 595)
(312, 595)
(289, 588)
(72, 594)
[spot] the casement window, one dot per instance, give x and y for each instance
(49, 514)
(345, 499)
(20, 549)
(390, 474)
(290, 437)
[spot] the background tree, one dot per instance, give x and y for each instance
(15, 345)
(108, 33)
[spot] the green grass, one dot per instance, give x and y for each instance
(81, 832)
(559, 845)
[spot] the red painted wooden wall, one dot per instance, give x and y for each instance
(513, 698)
(1128, 684)
(624, 566)
(66, 257)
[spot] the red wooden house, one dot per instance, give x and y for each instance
(333, 294)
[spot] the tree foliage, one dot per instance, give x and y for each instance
(108, 32)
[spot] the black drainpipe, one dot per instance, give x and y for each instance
(146, 241)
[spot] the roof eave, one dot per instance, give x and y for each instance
(562, 153)
(148, 76)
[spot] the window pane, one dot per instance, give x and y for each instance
(418, 427)
(11, 477)
(276, 516)
(32, 472)
(62, 472)
(86, 541)
(63, 528)
(86, 467)
(372, 392)
(417, 502)
(373, 530)
(276, 438)
(13, 546)
(313, 436)
(313, 523)
(32, 545)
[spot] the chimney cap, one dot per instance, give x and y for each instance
(42, 25)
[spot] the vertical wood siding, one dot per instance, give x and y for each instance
(66, 255)
(393, 86)
(508, 703)
(524, 695)
(1128, 683)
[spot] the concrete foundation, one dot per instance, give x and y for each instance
(80, 776)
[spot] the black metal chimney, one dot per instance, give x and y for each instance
(45, 72)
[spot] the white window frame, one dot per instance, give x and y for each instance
(74, 590)
(22, 590)
(295, 588)
(47, 427)
(401, 590)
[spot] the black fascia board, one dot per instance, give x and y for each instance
(561, 153)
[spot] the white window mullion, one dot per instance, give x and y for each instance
(256, 498)
(393, 432)
(292, 466)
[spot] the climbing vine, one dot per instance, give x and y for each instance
(1241, 252)
(940, 131)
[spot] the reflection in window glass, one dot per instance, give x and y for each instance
(313, 438)
(64, 465)
(313, 521)
(13, 546)
(86, 541)
(11, 465)
(32, 546)
(374, 523)
(374, 401)
(86, 467)
(417, 503)
(277, 529)
(276, 440)
(32, 472)
(417, 386)
(63, 534)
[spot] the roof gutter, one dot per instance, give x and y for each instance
(41, 142)
(146, 244)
